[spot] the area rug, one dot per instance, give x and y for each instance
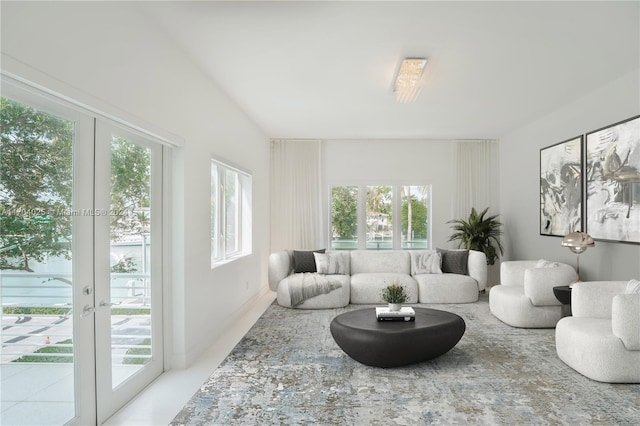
(288, 370)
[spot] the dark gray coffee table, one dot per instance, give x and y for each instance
(395, 343)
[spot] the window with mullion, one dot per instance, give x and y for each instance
(386, 217)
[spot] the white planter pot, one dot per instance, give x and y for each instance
(395, 307)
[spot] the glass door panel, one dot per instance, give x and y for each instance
(41, 277)
(128, 266)
(130, 237)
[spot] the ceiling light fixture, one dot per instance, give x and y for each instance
(407, 85)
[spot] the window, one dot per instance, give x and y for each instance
(230, 213)
(380, 217)
(344, 218)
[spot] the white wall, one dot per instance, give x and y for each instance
(519, 180)
(110, 55)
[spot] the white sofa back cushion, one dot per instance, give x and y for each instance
(593, 299)
(391, 261)
(478, 268)
(625, 320)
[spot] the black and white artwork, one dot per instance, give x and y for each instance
(561, 188)
(613, 182)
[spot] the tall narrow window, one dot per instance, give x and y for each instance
(415, 214)
(344, 218)
(379, 217)
(230, 213)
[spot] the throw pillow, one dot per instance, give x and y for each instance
(633, 287)
(455, 261)
(330, 263)
(426, 263)
(303, 261)
(546, 264)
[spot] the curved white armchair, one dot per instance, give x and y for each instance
(602, 338)
(525, 296)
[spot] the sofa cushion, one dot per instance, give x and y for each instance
(367, 287)
(446, 288)
(425, 262)
(303, 261)
(509, 304)
(392, 261)
(625, 320)
(455, 261)
(588, 346)
(330, 263)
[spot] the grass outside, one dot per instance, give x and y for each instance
(53, 349)
(65, 311)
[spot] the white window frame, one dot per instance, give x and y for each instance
(242, 229)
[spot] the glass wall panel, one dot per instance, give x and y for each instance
(379, 217)
(415, 217)
(232, 211)
(344, 218)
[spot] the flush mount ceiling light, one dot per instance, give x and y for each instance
(407, 84)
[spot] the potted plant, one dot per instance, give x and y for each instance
(395, 295)
(479, 233)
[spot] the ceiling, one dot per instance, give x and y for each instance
(325, 69)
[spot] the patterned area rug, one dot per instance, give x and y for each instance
(288, 370)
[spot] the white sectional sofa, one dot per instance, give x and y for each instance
(358, 277)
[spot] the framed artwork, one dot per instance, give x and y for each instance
(561, 188)
(613, 182)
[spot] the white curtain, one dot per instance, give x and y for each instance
(477, 185)
(476, 177)
(296, 205)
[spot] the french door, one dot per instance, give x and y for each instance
(81, 261)
(128, 287)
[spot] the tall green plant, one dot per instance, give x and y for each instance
(479, 233)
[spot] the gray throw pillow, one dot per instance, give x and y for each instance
(303, 261)
(455, 261)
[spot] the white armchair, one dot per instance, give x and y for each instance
(525, 296)
(602, 338)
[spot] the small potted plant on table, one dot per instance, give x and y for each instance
(395, 295)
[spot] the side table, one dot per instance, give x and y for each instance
(563, 294)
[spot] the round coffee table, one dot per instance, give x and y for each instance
(395, 343)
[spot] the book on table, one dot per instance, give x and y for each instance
(406, 313)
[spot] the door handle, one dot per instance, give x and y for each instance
(105, 304)
(87, 310)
